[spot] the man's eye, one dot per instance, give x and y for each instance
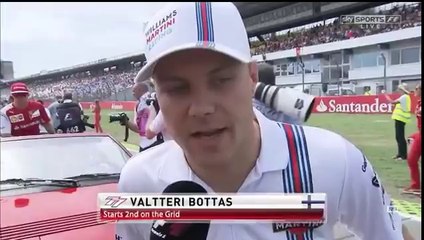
(223, 80)
(176, 89)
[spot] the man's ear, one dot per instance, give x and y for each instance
(254, 75)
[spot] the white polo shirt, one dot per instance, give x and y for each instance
(158, 126)
(326, 163)
(42, 128)
(141, 106)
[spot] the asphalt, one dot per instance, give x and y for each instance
(410, 212)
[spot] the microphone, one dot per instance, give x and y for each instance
(180, 231)
(293, 103)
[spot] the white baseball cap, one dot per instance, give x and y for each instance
(217, 26)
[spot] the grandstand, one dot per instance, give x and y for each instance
(110, 79)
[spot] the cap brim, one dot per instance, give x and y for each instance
(147, 70)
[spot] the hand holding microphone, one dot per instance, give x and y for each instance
(180, 231)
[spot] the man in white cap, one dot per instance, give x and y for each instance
(199, 57)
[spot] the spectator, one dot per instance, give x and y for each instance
(90, 86)
(411, 17)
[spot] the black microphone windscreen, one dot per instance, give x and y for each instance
(184, 187)
(181, 231)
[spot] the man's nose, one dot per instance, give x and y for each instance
(202, 105)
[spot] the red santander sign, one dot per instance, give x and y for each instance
(374, 104)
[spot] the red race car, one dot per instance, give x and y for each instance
(49, 185)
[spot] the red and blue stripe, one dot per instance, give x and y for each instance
(297, 177)
(205, 31)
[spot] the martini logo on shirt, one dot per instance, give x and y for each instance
(295, 227)
(17, 118)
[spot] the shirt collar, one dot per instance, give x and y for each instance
(273, 156)
(67, 101)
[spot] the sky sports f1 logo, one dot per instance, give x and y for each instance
(370, 19)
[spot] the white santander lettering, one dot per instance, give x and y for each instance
(375, 107)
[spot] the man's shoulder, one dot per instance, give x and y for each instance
(324, 147)
(317, 135)
(142, 172)
(35, 105)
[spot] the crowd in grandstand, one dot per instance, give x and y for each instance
(92, 87)
(411, 16)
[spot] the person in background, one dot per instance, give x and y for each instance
(23, 117)
(267, 76)
(97, 116)
(367, 91)
(53, 111)
(141, 115)
(42, 129)
(414, 153)
(70, 115)
(401, 115)
(156, 126)
(10, 99)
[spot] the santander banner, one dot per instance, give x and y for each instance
(357, 104)
(374, 104)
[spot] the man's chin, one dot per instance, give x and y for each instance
(216, 157)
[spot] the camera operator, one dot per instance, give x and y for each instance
(155, 126)
(70, 115)
(280, 104)
(141, 114)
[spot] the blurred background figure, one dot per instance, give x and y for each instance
(367, 91)
(53, 111)
(70, 115)
(43, 129)
(141, 114)
(401, 115)
(23, 117)
(155, 127)
(414, 153)
(97, 117)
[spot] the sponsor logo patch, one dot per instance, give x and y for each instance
(16, 118)
(35, 114)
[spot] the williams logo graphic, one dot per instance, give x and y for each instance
(114, 201)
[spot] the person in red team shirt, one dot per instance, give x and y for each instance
(23, 117)
(97, 117)
(414, 154)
